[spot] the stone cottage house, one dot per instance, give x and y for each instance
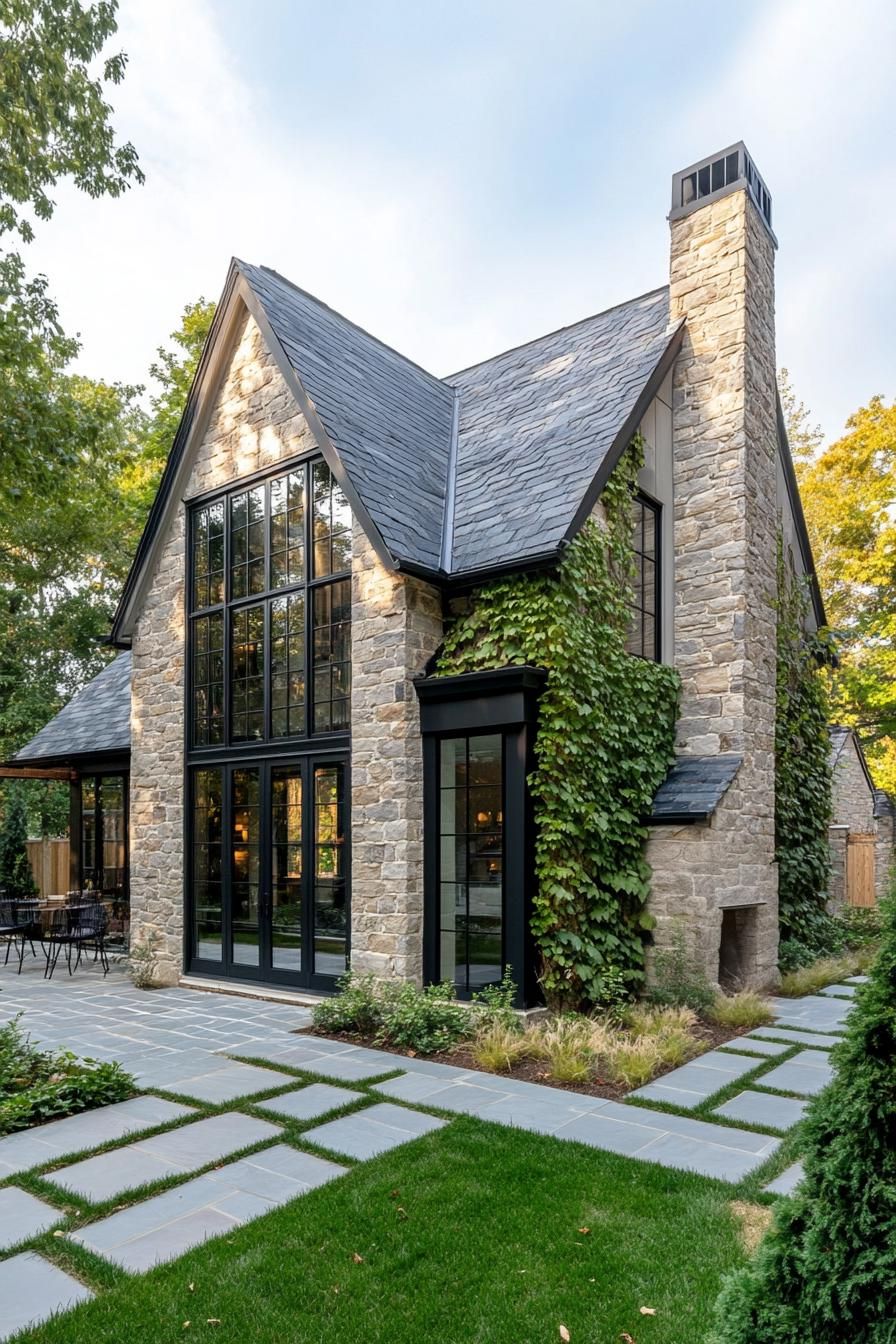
(861, 833)
(266, 771)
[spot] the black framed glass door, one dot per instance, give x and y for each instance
(269, 882)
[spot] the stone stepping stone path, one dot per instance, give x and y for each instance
(373, 1131)
(333, 1059)
(165, 1227)
(670, 1140)
(763, 1109)
(48, 1143)
(694, 1082)
(815, 1012)
(225, 1082)
(308, 1103)
(756, 1046)
(807, 1074)
(787, 1182)
(32, 1290)
(23, 1216)
(840, 991)
(175, 1153)
(816, 1040)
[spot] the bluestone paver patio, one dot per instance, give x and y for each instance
(373, 1131)
(32, 1290)
(839, 991)
(753, 1045)
(792, 1036)
(310, 1102)
(814, 1012)
(801, 1074)
(787, 1182)
(23, 1216)
(175, 1153)
(48, 1143)
(169, 1224)
(690, 1085)
(763, 1109)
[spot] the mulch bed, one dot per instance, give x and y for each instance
(531, 1070)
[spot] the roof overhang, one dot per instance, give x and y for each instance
(799, 517)
(236, 300)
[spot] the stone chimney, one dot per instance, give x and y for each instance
(725, 444)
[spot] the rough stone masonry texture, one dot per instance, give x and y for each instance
(724, 426)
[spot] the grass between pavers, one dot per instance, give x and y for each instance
(469, 1234)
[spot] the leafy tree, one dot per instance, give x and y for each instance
(805, 438)
(826, 1271)
(849, 495)
(16, 878)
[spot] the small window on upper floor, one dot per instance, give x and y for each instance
(644, 623)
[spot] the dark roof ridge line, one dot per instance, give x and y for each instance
(534, 340)
(384, 345)
(446, 555)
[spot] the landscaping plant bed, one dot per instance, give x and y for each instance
(606, 1054)
(37, 1086)
(707, 1036)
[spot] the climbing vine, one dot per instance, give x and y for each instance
(603, 744)
(802, 767)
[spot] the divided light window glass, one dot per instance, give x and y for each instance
(270, 603)
(644, 621)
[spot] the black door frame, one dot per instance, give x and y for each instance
(265, 973)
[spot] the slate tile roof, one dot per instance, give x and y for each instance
(496, 478)
(95, 721)
(537, 422)
(693, 788)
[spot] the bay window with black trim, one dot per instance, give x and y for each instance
(268, 701)
(478, 735)
(644, 633)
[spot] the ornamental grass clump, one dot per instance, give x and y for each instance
(745, 1009)
(826, 1271)
(498, 1047)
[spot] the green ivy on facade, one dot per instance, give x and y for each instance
(603, 745)
(803, 803)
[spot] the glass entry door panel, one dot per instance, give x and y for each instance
(286, 869)
(245, 871)
(275, 904)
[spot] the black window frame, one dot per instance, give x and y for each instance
(636, 606)
(226, 742)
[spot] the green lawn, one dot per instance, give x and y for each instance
(469, 1236)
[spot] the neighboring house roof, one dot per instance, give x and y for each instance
(838, 735)
(693, 789)
(883, 804)
(95, 722)
(491, 469)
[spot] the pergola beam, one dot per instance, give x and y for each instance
(33, 772)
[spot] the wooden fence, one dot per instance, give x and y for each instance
(50, 865)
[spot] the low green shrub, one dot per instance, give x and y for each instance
(423, 1020)
(39, 1085)
(677, 980)
(494, 1003)
(397, 1014)
(825, 1271)
(861, 925)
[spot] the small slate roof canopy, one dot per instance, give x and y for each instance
(95, 722)
(693, 789)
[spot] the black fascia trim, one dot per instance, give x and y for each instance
(84, 762)
(799, 517)
(499, 680)
(172, 465)
(627, 432)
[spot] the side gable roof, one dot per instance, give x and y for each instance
(491, 469)
(538, 423)
(799, 517)
(95, 721)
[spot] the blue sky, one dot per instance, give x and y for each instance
(461, 177)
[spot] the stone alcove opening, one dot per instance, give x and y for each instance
(737, 948)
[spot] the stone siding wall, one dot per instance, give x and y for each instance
(254, 424)
(725, 443)
(396, 627)
(883, 851)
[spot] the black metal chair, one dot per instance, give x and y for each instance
(19, 925)
(76, 928)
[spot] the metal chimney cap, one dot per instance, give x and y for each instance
(729, 170)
